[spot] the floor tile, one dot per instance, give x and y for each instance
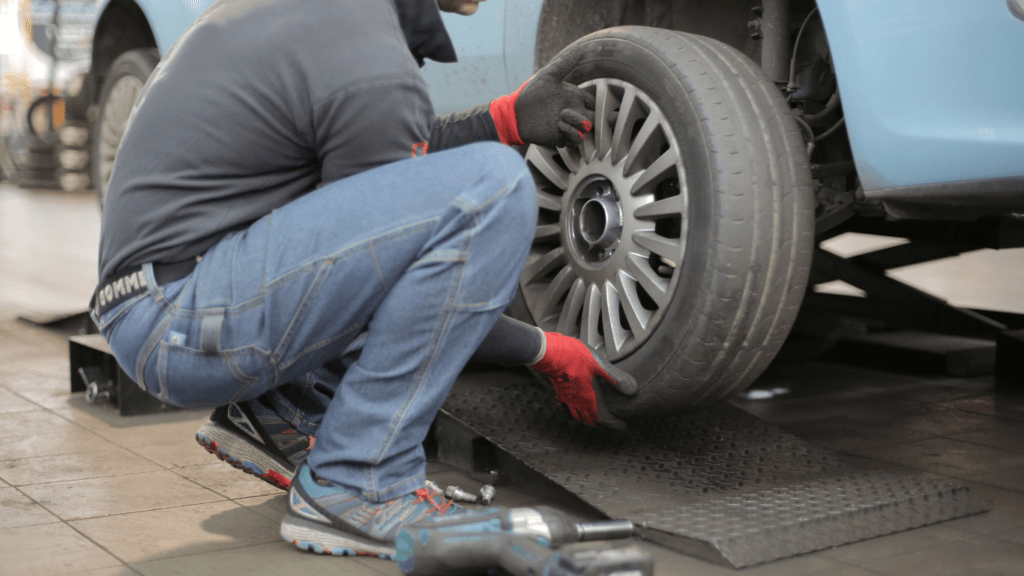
(178, 454)
(80, 499)
(798, 566)
(180, 531)
(896, 544)
(999, 405)
(935, 419)
(54, 394)
(11, 402)
(276, 558)
(805, 410)
(230, 482)
(668, 562)
(271, 506)
(1015, 536)
(78, 441)
(33, 423)
(18, 510)
(929, 394)
(809, 379)
(975, 555)
(671, 563)
(49, 550)
(846, 433)
(1011, 478)
(141, 430)
(117, 571)
(945, 456)
(1005, 436)
(46, 469)
(24, 373)
(846, 571)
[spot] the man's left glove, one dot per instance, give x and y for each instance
(546, 110)
(579, 376)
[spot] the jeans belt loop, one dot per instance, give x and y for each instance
(209, 331)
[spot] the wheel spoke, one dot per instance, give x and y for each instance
(637, 316)
(643, 140)
(542, 160)
(614, 335)
(673, 205)
(628, 112)
(658, 169)
(548, 201)
(546, 232)
(537, 266)
(604, 105)
(670, 248)
(571, 156)
(591, 316)
(655, 286)
(571, 309)
(545, 305)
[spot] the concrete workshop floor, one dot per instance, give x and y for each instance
(84, 491)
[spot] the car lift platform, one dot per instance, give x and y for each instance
(717, 484)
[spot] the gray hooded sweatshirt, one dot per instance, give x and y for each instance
(257, 103)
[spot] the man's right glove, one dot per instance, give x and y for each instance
(578, 375)
(546, 110)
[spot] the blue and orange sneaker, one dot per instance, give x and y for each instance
(328, 519)
(254, 439)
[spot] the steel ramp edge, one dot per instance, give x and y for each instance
(717, 484)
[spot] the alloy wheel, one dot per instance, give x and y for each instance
(611, 230)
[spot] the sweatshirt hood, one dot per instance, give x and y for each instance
(424, 30)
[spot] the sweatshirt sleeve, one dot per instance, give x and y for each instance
(459, 128)
(370, 125)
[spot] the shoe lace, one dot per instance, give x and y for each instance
(428, 494)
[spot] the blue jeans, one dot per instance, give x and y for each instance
(417, 259)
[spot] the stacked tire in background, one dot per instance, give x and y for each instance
(74, 173)
(53, 153)
(34, 162)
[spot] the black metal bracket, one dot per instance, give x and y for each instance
(95, 372)
(894, 303)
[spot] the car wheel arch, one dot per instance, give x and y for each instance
(123, 26)
(565, 21)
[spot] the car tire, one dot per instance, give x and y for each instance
(698, 287)
(121, 88)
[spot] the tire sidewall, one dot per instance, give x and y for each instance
(610, 57)
(139, 63)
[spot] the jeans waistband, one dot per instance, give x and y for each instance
(131, 281)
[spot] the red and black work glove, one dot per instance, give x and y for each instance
(546, 110)
(579, 376)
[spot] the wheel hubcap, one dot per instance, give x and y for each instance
(611, 228)
(596, 220)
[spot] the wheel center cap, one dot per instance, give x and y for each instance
(600, 222)
(596, 219)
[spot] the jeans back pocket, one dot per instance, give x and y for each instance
(191, 378)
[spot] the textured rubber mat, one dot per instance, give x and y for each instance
(718, 484)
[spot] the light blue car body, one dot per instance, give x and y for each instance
(932, 90)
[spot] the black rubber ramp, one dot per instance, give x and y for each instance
(718, 484)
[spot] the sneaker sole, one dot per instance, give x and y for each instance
(240, 453)
(314, 537)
